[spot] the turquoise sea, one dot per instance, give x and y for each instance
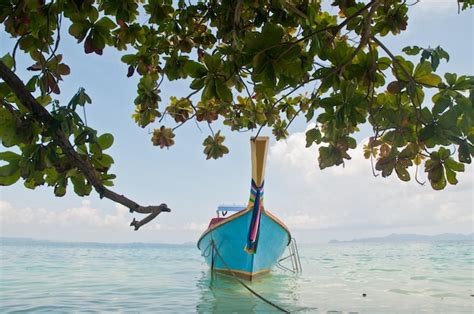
(88, 277)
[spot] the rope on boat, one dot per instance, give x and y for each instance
(214, 248)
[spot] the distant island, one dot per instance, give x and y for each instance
(394, 237)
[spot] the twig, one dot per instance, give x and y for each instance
(416, 177)
(15, 48)
(179, 125)
(372, 165)
(210, 128)
(58, 38)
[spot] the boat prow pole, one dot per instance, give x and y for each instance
(258, 151)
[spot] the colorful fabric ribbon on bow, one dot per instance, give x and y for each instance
(256, 197)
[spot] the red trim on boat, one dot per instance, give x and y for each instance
(215, 221)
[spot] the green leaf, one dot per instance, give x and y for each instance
(450, 78)
(454, 165)
(430, 79)
(434, 61)
(81, 138)
(399, 73)
(106, 160)
(197, 84)
(422, 69)
(163, 137)
(253, 41)
(451, 176)
(449, 118)
(8, 61)
(195, 69)
(212, 62)
(81, 187)
(402, 172)
(423, 74)
(223, 91)
(442, 53)
(79, 99)
(44, 100)
(386, 162)
(95, 150)
(209, 91)
(59, 190)
(8, 129)
(395, 87)
(269, 76)
(271, 34)
(444, 153)
(412, 50)
(105, 140)
(316, 46)
(93, 13)
(105, 23)
(214, 147)
(9, 174)
(436, 174)
(410, 151)
(395, 138)
(426, 116)
(464, 82)
(79, 30)
(129, 59)
(51, 176)
(463, 153)
(441, 104)
(313, 135)
(329, 156)
(9, 157)
(416, 94)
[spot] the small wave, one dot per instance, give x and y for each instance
(385, 269)
(402, 291)
(446, 295)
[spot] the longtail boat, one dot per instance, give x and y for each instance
(250, 241)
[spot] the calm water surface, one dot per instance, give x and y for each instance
(396, 278)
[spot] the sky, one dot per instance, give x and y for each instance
(317, 205)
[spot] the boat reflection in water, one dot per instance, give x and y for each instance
(220, 294)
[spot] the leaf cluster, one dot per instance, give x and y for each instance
(38, 159)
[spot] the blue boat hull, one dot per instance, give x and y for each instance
(230, 238)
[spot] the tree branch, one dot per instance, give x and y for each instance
(41, 115)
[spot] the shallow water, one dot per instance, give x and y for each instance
(396, 278)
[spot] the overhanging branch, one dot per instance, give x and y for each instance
(42, 116)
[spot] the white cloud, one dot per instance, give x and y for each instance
(193, 226)
(164, 227)
(350, 197)
(435, 7)
(81, 218)
(84, 215)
